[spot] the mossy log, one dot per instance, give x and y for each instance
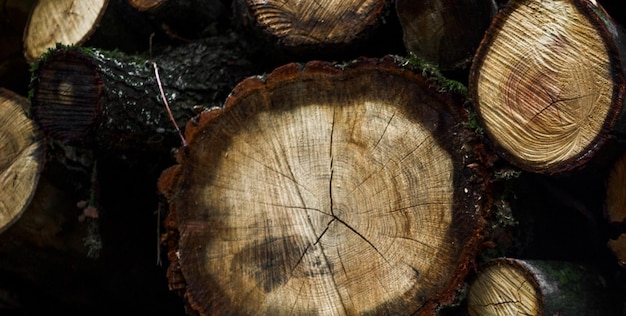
(98, 99)
(327, 189)
(548, 84)
(106, 24)
(184, 19)
(445, 33)
(508, 286)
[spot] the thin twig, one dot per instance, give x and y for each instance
(167, 106)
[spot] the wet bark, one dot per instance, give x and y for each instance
(106, 100)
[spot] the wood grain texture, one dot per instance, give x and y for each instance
(316, 192)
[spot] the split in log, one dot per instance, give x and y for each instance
(615, 209)
(444, 32)
(326, 189)
(105, 100)
(507, 286)
(21, 160)
(548, 84)
(300, 26)
(183, 19)
(106, 24)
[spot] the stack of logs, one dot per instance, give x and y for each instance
(213, 157)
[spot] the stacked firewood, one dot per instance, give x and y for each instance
(446, 157)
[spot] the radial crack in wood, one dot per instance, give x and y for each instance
(325, 190)
(548, 83)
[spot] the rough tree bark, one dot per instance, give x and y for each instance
(445, 33)
(108, 100)
(548, 84)
(326, 189)
(106, 24)
(21, 157)
(529, 287)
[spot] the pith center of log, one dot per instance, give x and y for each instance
(326, 190)
(545, 88)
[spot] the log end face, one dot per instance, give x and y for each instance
(308, 191)
(67, 101)
(63, 21)
(543, 86)
(22, 159)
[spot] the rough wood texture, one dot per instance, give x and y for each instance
(21, 157)
(107, 24)
(548, 83)
(311, 25)
(107, 100)
(183, 19)
(445, 33)
(529, 287)
(326, 189)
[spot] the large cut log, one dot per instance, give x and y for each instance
(302, 26)
(21, 157)
(548, 84)
(106, 100)
(183, 19)
(508, 286)
(442, 32)
(326, 189)
(106, 24)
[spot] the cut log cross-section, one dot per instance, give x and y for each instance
(107, 24)
(21, 157)
(312, 24)
(326, 190)
(508, 286)
(548, 83)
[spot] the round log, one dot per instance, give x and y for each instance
(548, 84)
(106, 24)
(22, 159)
(508, 286)
(112, 101)
(317, 191)
(303, 26)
